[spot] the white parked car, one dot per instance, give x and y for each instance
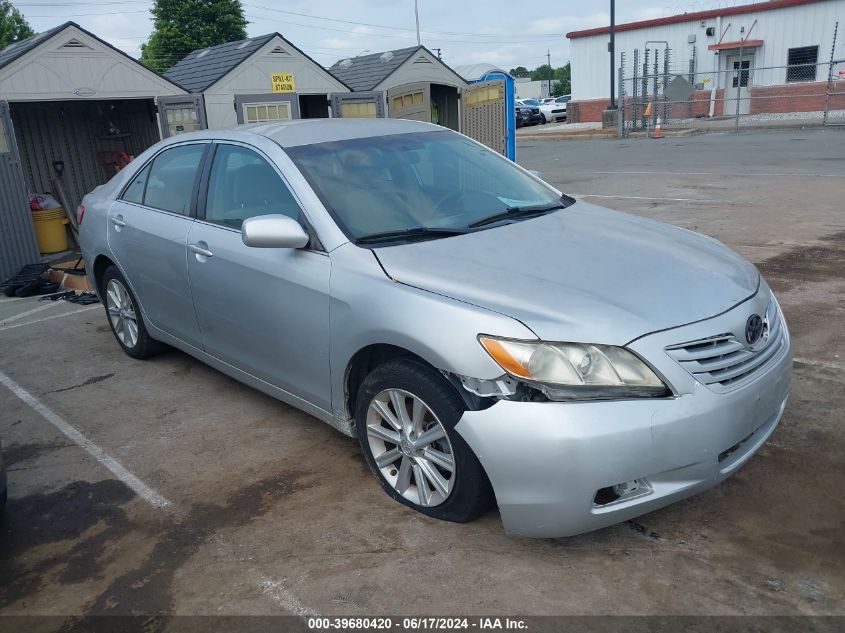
(554, 109)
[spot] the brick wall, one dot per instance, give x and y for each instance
(797, 97)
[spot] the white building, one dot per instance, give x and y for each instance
(777, 34)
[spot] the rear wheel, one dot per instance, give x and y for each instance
(406, 417)
(125, 319)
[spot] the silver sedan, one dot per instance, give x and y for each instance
(488, 338)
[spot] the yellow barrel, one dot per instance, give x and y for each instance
(50, 230)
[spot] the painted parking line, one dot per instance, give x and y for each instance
(273, 589)
(49, 318)
(17, 317)
(597, 195)
(116, 468)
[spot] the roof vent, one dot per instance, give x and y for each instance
(75, 43)
(202, 53)
(244, 43)
(279, 51)
(422, 59)
(345, 63)
(386, 57)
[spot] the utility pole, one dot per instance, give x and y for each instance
(611, 47)
(437, 50)
(417, 16)
(551, 73)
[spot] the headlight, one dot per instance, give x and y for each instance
(576, 370)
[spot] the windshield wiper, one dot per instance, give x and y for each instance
(521, 212)
(413, 233)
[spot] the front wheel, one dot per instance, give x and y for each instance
(406, 416)
(543, 119)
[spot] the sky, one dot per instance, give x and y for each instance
(506, 33)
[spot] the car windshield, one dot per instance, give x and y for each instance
(420, 185)
(531, 102)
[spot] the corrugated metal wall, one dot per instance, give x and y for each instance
(17, 237)
(76, 132)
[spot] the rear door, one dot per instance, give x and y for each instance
(180, 114)
(410, 101)
(484, 114)
(148, 234)
(17, 236)
(357, 105)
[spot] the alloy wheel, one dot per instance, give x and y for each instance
(410, 447)
(121, 312)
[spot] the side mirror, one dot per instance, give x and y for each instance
(273, 231)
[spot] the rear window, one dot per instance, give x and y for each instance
(171, 178)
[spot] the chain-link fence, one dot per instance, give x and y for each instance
(657, 90)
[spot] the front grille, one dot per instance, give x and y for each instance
(723, 362)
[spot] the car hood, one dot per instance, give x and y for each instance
(582, 274)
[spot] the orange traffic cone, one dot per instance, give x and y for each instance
(658, 133)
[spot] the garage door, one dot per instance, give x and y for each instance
(358, 105)
(484, 114)
(410, 101)
(17, 237)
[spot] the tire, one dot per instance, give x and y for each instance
(468, 491)
(543, 118)
(122, 312)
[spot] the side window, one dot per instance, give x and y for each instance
(171, 179)
(242, 185)
(135, 191)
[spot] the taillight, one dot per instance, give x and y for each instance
(80, 214)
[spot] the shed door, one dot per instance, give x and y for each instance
(263, 108)
(180, 114)
(484, 114)
(358, 105)
(410, 101)
(17, 237)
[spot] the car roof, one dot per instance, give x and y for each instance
(310, 131)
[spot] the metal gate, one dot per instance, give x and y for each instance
(180, 114)
(357, 105)
(410, 101)
(484, 114)
(17, 236)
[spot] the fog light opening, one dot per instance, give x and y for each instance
(621, 491)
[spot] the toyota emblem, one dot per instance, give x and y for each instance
(753, 329)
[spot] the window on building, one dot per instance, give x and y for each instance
(264, 112)
(361, 110)
(802, 63)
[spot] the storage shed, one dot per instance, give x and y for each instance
(408, 83)
(76, 100)
(260, 79)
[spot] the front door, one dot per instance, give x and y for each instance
(148, 235)
(738, 81)
(262, 310)
(411, 101)
(180, 114)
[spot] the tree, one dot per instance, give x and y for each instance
(520, 71)
(181, 26)
(563, 80)
(13, 26)
(541, 73)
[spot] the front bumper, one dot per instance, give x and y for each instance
(547, 461)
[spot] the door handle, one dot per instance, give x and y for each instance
(117, 220)
(201, 248)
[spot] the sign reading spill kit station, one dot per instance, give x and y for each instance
(283, 82)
